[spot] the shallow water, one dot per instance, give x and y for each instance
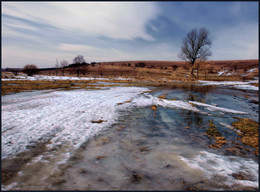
(154, 149)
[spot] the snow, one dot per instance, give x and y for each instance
(63, 117)
(225, 166)
(222, 72)
(234, 84)
(214, 108)
(45, 77)
(148, 100)
(230, 127)
(252, 70)
(68, 117)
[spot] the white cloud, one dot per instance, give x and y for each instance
(75, 47)
(123, 20)
(8, 32)
(239, 42)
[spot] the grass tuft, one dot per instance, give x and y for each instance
(249, 132)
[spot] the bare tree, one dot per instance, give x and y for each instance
(79, 60)
(64, 63)
(30, 69)
(196, 46)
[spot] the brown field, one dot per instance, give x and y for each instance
(170, 70)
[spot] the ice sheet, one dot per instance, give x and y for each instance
(214, 108)
(234, 84)
(63, 117)
(214, 164)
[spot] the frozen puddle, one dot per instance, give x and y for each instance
(228, 166)
(72, 117)
(91, 136)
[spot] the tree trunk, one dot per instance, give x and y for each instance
(192, 74)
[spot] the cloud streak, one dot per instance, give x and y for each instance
(113, 20)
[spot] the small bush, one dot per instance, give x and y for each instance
(140, 64)
(30, 69)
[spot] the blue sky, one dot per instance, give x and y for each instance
(41, 32)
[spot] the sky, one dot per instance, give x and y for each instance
(42, 33)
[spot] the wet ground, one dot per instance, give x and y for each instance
(155, 149)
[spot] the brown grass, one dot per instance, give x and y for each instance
(213, 133)
(99, 121)
(249, 132)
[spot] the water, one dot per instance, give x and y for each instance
(163, 149)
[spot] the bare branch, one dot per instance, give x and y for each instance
(196, 45)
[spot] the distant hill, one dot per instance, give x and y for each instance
(239, 64)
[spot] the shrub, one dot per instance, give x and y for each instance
(140, 64)
(30, 69)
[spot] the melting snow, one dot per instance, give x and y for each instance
(45, 77)
(60, 116)
(213, 164)
(235, 84)
(214, 108)
(252, 70)
(68, 117)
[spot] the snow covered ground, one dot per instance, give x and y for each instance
(45, 77)
(211, 164)
(234, 84)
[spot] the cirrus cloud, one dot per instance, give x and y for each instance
(123, 20)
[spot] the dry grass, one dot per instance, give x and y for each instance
(137, 76)
(16, 86)
(249, 132)
(213, 133)
(154, 107)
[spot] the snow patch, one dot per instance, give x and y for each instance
(234, 84)
(61, 117)
(149, 100)
(230, 127)
(252, 70)
(214, 108)
(45, 77)
(225, 166)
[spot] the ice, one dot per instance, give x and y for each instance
(222, 72)
(63, 117)
(252, 70)
(149, 100)
(45, 77)
(225, 166)
(72, 117)
(234, 84)
(214, 108)
(230, 127)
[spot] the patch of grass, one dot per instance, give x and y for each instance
(17, 86)
(213, 133)
(163, 96)
(249, 132)
(100, 157)
(154, 107)
(99, 121)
